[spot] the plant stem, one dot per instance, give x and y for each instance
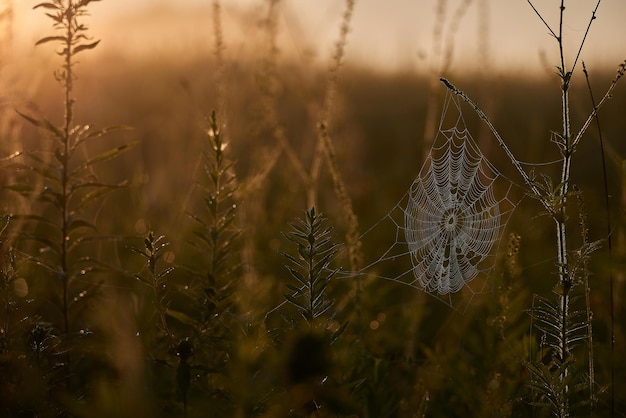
(564, 273)
(68, 121)
(323, 144)
(216, 177)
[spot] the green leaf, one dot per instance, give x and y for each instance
(49, 244)
(294, 301)
(322, 309)
(100, 191)
(47, 6)
(49, 39)
(141, 252)
(298, 276)
(42, 171)
(83, 3)
(43, 159)
(298, 262)
(204, 238)
(79, 223)
(88, 185)
(23, 189)
(180, 316)
(295, 290)
(37, 218)
(43, 124)
(59, 155)
(11, 156)
(337, 333)
(57, 18)
(105, 156)
(82, 239)
(50, 195)
(98, 134)
(84, 47)
(164, 273)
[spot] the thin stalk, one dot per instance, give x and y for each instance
(582, 43)
(621, 70)
(355, 253)
(269, 102)
(564, 273)
(311, 284)
(542, 19)
(321, 148)
(68, 121)
(610, 249)
(435, 65)
(219, 56)
(214, 133)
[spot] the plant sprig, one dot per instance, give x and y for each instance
(311, 266)
(61, 181)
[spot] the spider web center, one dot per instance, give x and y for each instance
(452, 221)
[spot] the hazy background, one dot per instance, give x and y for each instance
(385, 35)
(155, 71)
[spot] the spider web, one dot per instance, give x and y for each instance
(449, 223)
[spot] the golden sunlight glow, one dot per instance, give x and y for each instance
(384, 35)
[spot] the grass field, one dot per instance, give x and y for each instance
(160, 269)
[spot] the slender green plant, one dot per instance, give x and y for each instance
(199, 343)
(64, 186)
(215, 233)
(156, 279)
(196, 309)
(325, 148)
(166, 344)
(195, 304)
(215, 264)
(309, 354)
(440, 60)
(311, 267)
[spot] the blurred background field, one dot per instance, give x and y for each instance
(421, 351)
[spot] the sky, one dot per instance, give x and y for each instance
(385, 35)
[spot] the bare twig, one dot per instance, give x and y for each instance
(621, 70)
(542, 19)
(582, 43)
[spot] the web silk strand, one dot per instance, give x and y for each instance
(450, 221)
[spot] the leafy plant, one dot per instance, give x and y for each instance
(165, 345)
(311, 267)
(198, 332)
(156, 280)
(309, 354)
(215, 236)
(214, 266)
(61, 181)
